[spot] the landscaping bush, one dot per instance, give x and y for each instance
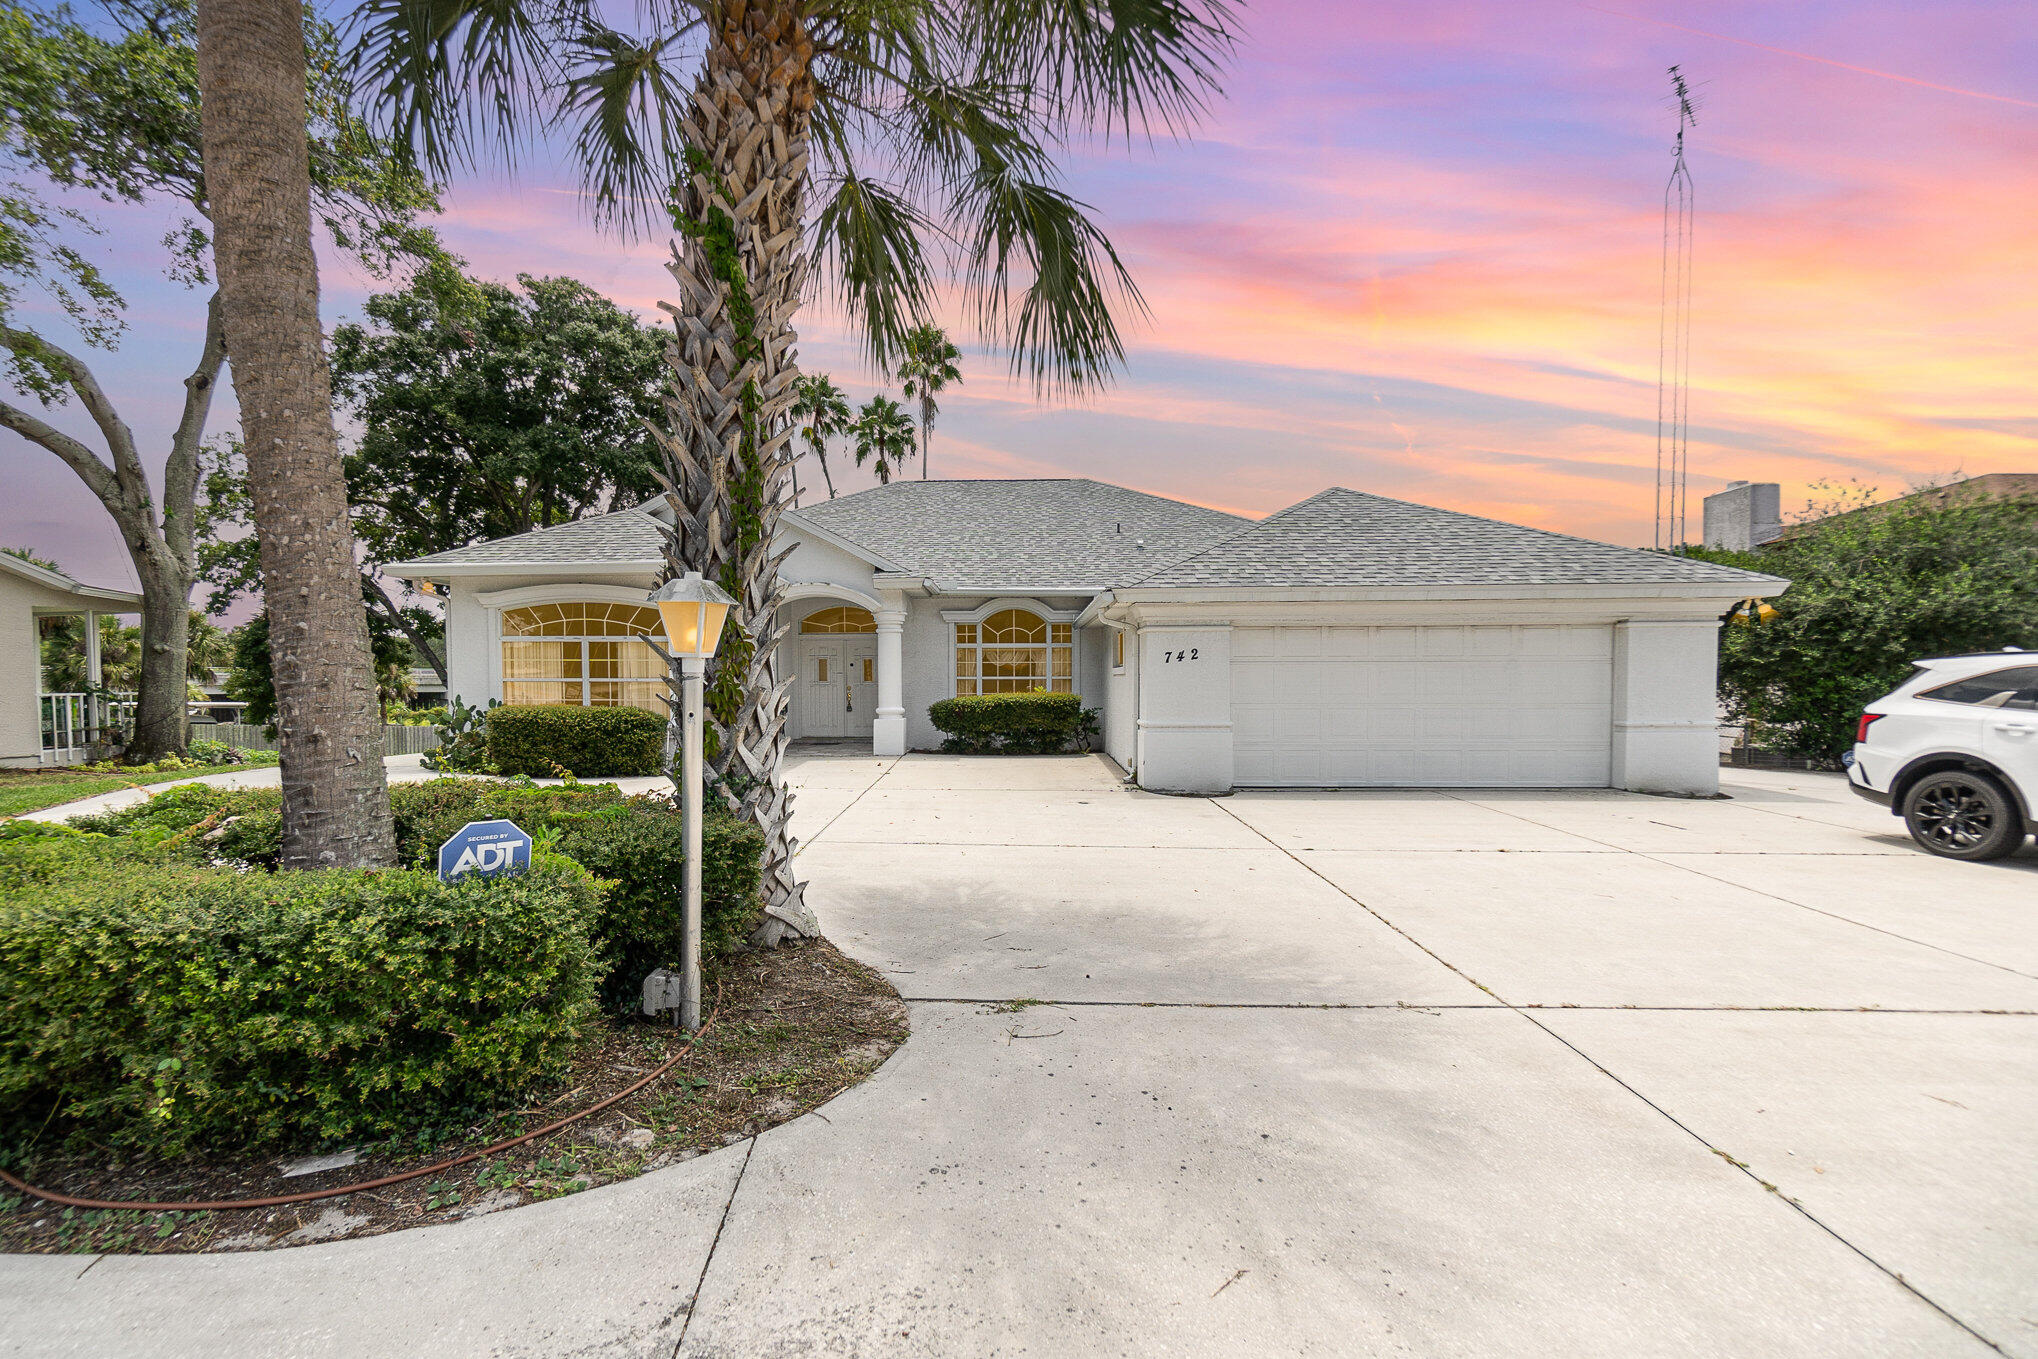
(640, 848)
(635, 844)
(463, 740)
(593, 743)
(210, 752)
(36, 852)
(201, 823)
(163, 1006)
(427, 814)
(1035, 723)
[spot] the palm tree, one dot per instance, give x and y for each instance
(928, 366)
(251, 74)
(210, 651)
(883, 431)
(823, 410)
(870, 141)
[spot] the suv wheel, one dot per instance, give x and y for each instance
(1963, 815)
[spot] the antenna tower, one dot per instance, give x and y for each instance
(1673, 334)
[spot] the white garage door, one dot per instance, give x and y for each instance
(1526, 707)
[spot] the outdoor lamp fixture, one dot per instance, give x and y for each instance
(693, 611)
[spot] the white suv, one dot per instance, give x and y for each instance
(1954, 752)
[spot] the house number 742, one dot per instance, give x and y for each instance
(1170, 657)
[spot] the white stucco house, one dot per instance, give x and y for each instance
(1347, 641)
(38, 728)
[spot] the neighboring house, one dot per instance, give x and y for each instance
(1350, 640)
(1746, 515)
(38, 728)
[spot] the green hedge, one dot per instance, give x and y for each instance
(160, 1005)
(1035, 723)
(592, 743)
(636, 844)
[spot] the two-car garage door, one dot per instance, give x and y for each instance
(1422, 706)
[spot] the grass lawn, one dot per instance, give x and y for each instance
(29, 790)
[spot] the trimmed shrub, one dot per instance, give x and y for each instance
(427, 814)
(36, 852)
(201, 822)
(635, 844)
(1034, 723)
(593, 743)
(164, 1006)
(640, 847)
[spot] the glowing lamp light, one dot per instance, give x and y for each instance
(693, 610)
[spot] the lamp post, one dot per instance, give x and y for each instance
(693, 611)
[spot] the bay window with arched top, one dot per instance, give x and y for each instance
(589, 655)
(1014, 651)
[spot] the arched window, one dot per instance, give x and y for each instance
(848, 618)
(590, 655)
(1012, 652)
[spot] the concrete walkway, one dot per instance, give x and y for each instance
(1311, 1074)
(402, 769)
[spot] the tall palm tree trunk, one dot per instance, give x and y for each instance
(251, 80)
(739, 265)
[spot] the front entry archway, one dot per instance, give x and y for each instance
(837, 689)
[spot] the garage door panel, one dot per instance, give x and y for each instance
(1477, 706)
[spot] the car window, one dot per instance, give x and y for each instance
(2013, 688)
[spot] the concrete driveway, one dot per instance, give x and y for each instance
(1288, 1074)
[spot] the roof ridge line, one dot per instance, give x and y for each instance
(1247, 527)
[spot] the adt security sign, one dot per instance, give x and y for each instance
(490, 849)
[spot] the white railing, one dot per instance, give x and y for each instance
(73, 723)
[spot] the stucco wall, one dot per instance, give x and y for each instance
(1665, 710)
(20, 667)
(814, 562)
(1121, 709)
(1185, 714)
(930, 665)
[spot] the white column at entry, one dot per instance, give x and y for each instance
(96, 716)
(888, 729)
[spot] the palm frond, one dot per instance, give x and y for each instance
(623, 101)
(441, 77)
(872, 237)
(1054, 311)
(1133, 66)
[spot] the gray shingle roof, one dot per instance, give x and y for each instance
(614, 539)
(1073, 534)
(1348, 538)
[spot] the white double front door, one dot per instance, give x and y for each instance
(838, 686)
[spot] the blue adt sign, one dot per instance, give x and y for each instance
(490, 849)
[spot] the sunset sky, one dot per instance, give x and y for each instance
(1415, 251)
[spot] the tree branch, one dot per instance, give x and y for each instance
(180, 470)
(81, 459)
(127, 463)
(417, 640)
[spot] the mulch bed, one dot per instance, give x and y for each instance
(792, 1028)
